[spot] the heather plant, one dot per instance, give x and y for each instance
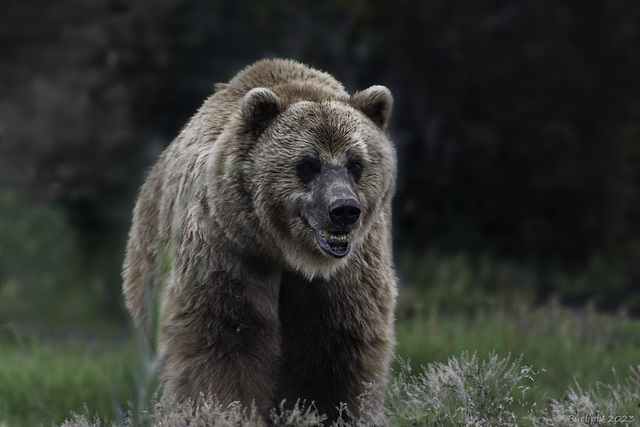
(207, 411)
(466, 390)
(605, 404)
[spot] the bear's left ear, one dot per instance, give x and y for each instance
(259, 107)
(375, 103)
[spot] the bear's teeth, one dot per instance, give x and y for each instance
(333, 237)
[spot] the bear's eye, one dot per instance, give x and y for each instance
(307, 169)
(355, 168)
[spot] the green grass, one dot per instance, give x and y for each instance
(447, 306)
(458, 303)
(561, 345)
(42, 382)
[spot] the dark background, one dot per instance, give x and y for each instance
(517, 125)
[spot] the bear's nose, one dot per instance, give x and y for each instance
(344, 212)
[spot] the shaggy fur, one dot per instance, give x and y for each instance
(224, 237)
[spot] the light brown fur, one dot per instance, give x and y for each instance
(250, 308)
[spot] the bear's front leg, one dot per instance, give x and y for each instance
(222, 338)
(337, 337)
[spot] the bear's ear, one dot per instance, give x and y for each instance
(259, 107)
(375, 103)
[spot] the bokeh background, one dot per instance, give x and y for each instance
(517, 126)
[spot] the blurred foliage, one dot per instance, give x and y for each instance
(28, 236)
(39, 257)
(517, 148)
(517, 123)
(437, 283)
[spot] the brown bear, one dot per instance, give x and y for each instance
(264, 234)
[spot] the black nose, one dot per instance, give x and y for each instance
(344, 212)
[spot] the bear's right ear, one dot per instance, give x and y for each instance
(259, 107)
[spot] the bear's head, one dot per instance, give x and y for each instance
(320, 173)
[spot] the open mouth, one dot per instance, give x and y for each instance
(336, 244)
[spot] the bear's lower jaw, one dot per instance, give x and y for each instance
(336, 245)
